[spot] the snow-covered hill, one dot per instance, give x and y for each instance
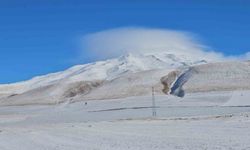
(128, 75)
(221, 76)
(81, 79)
(104, 70)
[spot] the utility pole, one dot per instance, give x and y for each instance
(153, 102)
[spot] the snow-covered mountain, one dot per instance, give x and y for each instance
(104, 70)
(128, 75)
(81, 79)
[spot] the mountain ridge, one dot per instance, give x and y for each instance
(125, 76)
(104, 70)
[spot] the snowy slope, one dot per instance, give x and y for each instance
(104, 70)
(221, 76)
(128, 75)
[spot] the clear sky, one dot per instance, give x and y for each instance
(42, 36)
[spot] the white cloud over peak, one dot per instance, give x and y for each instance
(115, 42)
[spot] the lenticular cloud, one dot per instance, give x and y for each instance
(116, 42)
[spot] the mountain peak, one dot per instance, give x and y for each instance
(108, 70)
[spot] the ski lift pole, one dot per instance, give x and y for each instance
(153, 102)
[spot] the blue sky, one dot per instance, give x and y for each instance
(42, 36)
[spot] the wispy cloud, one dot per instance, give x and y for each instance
(115, 42)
